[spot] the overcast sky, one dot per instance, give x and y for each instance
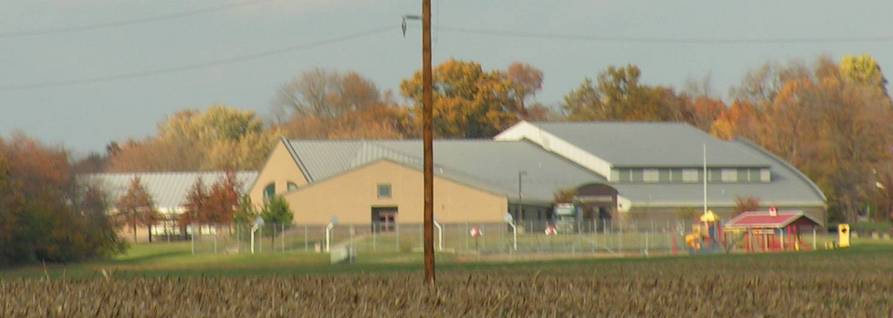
(87, 116)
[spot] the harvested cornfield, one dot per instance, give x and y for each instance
(813, 285)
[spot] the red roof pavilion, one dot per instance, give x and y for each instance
(768, 220)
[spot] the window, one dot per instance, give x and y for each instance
(384, 190)
(664, 175)
(615, 175)
(650, 175)
(269, 191)
(676, 175)
(690, 175)
(764, 175)
(729, 175)
(637, 175)
(714, 175)
(292, 186)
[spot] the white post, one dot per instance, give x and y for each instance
(514, 236)
(253, 230)
(439, 236)
(215, 239)
(813, 239)
(329, 228)
(782, 240)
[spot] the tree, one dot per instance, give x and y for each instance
(197, 205)
(45, 213)
(525, 81)
(468, 101)
(833, 128)
(221, 138)
(618, 95)
(863, 69)
(223, 199)
(277, 211)
(246, 213)
(327, 94)
(746, 204)
(136, 208)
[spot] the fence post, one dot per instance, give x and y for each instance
(620, 244)
(465, 234)
(216, 229)
(397, 233)
(192, 237)
(306, 239)
(374, 230)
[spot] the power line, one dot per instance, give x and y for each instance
(661, 40)
(183, 68)
(114, 24)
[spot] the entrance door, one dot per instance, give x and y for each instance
(384, 219)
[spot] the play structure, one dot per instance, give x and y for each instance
(769, 231)
(706, 235)
(757, 231)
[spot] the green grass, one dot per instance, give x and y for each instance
(176, 260)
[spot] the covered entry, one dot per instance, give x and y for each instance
(596, 206)
(384, 219)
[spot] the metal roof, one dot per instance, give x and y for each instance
(168, 189)
(651, 144)
(486, 164)
(759, 219)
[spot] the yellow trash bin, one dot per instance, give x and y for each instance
(843, 233)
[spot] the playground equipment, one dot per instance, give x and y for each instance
(705, 236)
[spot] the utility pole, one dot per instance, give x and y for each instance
(428, 140)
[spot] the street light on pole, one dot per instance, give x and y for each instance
(427, 137)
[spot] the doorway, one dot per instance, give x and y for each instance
(384, 219)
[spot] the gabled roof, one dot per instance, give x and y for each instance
(761, 219)
(489, 165)
(168, 189)
(650, 144)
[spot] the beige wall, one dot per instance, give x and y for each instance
(352, 195)
(280, 169)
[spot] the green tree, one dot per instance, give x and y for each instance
(277, 211)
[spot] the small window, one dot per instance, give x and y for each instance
(269, 191)
(650, 175)
(615, 175)
(384, 190)
(765, 176)
(714, 175)
(292, 186)
(637, 175)
(690, 175)
(729, 175)
(675, 175)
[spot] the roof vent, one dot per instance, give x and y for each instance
(773, 211)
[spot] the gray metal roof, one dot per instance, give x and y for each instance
(486, 164)
(652, 144)
(168, 189)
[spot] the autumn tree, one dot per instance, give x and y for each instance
(746, 204)
(864, 70)
(223, 199)
(220, 138)
(46, 214)
(277, 211)
(830, 126)
(618, 95)
(469, 102)
(325, 104)
(197, 207)
(137, 208)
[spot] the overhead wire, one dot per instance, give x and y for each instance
(188, 67)
(120, 23)
(659, 40)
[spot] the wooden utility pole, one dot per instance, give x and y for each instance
(428, 140)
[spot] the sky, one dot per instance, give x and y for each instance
(88, 115)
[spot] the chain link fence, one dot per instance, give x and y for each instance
(597, 238)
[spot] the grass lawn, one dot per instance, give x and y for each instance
(176, 259)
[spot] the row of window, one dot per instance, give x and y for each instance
(691, 175)
(384, 190)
